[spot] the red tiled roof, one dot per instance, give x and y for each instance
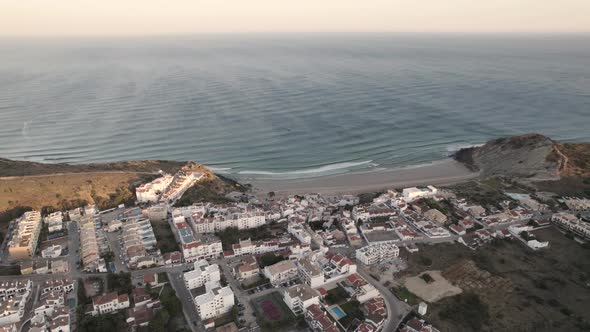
(191, 245)
(149, 278)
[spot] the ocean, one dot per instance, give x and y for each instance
(287, 106)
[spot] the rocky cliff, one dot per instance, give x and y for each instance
(532, 156)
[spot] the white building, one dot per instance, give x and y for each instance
(299, 232)
(114, 225)
(571, 223)
(183, 179)
(110, 302)
(54, 221)
(310, 272)
(248, 269)
(280, 272)
(299, 297)
(25, 236)
(363, 291)
(150, 192)
(157, 213)
(12, 288)
(413, 193)
(51, 252)
(202, 273)
(57, 285)
(216, 301)
(13, 299)
(238, 217)
(12, 309)
(377, 253)
(435, 215)
(577, 204)
(201, 250)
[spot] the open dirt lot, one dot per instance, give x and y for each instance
(523, 290)
(432, 291)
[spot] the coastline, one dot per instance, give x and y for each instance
(444, 172)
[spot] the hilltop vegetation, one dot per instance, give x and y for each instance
(26, 168)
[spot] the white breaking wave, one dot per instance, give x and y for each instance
(221, 170)
(456, 147)
(323, 170)
(25, 130)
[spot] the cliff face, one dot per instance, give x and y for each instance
(530, 156)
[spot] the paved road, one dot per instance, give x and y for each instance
(242, 296)
(185, 297)
(396, 309)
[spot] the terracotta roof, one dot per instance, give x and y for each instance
(106, 298)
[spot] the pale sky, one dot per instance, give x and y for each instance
(155, 17)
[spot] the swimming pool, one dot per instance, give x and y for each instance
(338, 312)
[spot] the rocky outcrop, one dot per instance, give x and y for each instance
(532, 156)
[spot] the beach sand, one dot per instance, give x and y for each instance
(439, 173)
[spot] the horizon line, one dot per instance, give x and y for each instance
(316, 33)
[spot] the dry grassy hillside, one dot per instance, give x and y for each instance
(24, 168)
(574, 158)
(64, 186)
(58, 190)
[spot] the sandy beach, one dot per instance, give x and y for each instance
(439, 173)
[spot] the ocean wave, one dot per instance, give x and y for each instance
(221, 170)
(319, 171)
(456, 147)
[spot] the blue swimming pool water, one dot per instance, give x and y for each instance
(338, 312)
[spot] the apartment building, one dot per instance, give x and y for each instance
(310, 272)
(299, 232)
(138, 241)
(238, 217)
(25, 236)
(181, 181)
(300, 297)
(571, 223)
(247, 247)
(54, 221)
(207, 248)
(150, 192)
(216, 301)
(378, 253)
(89, 246)
(203, 272)
(280, 272)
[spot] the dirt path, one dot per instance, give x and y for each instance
(563, 161)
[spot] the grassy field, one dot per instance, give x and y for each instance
(544, 290)
(404, 294)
